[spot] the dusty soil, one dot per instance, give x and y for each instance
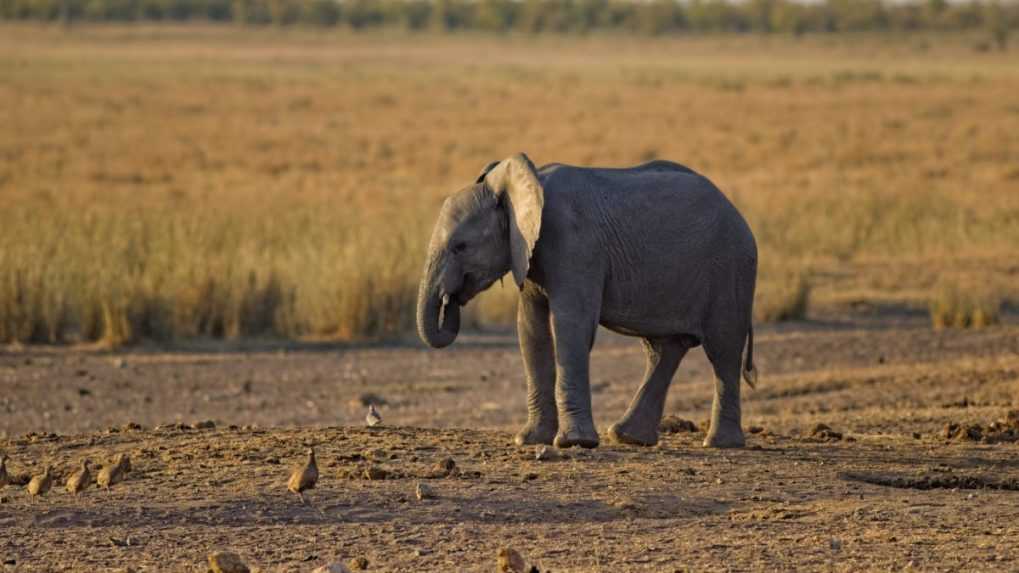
(851, 466)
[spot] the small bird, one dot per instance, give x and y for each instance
(81, 479)
(373, 418)
(304, 477)
(4, 477)
(40, 484)
(114, 473)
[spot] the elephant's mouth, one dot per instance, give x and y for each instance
(471, 286)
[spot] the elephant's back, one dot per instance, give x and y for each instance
(668, 188)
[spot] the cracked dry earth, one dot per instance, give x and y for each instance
(885, 487)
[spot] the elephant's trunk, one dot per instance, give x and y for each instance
(438, 313)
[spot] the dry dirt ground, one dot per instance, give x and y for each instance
(893, 492)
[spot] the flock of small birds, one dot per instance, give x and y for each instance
(80, 480)
(303, 478)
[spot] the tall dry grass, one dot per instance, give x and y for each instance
(178, 182)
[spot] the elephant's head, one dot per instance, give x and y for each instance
(483, 232)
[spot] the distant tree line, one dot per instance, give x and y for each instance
(648, 17)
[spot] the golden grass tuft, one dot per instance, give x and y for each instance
(964, 302)
(783, 296)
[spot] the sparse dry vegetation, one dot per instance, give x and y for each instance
(783, 296)
(963, 302)
(168, 182)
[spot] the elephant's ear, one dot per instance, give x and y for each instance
(484, 172)
(515, 182)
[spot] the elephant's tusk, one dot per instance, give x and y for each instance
(442, 309)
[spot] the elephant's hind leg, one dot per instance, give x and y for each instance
(726, 360)
(639, 425)
(538, 351)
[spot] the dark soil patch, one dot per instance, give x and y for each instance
(933, 481)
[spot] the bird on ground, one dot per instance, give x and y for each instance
(4, 477)
(373, 418)
(40, 484)
(114, 473)
(305, 476)
(81, 479)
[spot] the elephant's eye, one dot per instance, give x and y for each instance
(459, 247)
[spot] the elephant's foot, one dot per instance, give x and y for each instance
(584, 436)
(536, 433)
(725, 438)
(628, 431)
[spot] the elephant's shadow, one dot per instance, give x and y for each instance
(533, 508)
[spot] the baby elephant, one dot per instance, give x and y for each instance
(654, 251)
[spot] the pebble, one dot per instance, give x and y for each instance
(424, 491)
(332, 568)
(544, 453)
(445, 467)
(375, 472)
(511, 561)
(227, 562)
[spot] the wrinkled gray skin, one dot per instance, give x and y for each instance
(654, 251)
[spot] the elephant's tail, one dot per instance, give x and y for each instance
(749, 372)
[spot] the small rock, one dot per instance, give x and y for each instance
(625, 503)
(835, 544)
(421, 552)
(511, 561)
(755, 429)
(332, 568)
(203, 425)
(824, 432)
(445, 467)
(84, 392)
(917, 435)
(373, 472)
(545, 453)
(424, 491)
(676, 425)
(719, 481)
(119, 363)
(359, 563)
(530, 477)
(227, 562)
(126, 542)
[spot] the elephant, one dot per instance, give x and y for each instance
(654, 251)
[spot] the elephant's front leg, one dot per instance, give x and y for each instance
(573, 326)
(538, 351)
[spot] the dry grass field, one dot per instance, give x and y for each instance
(187, 183)
(196, 181)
